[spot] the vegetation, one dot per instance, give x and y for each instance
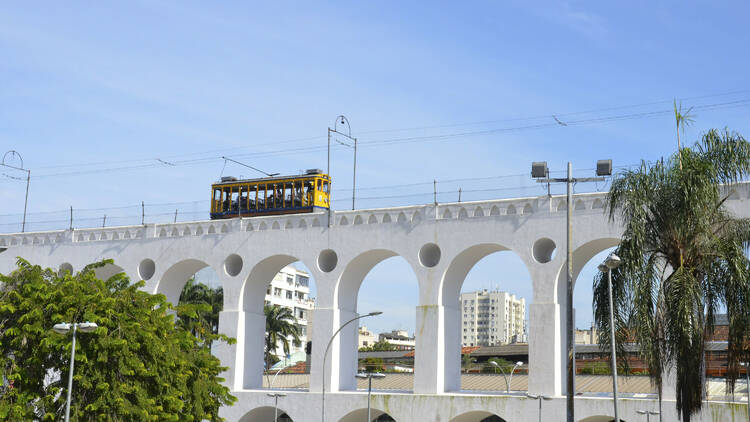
(683, 257)
(280, 325)
(502, 365)
(137, 366)
(199, 310)
(374, 365)
(379, 346)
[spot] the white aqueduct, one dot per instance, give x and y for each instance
(441, 243)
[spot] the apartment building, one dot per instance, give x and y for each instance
(492, 318)
(290, 288)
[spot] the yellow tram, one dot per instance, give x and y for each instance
(304, 193)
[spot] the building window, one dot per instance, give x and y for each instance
(276, 291)
(288, 294)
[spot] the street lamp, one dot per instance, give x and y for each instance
(63, 328)
(613, 261)
(507, 383)
(276, 404)
(28, 179)
(747, 379)
(325, 356)
(648, 414)
(369, 376)
(540, 172)
(540, 398)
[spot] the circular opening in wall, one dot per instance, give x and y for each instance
(146, 269)
(544, 250)
(327, 260)
(233, 264)
(66, 267)
(429, 255)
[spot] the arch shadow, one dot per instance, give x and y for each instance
(175, 278)
(360, 414)
(478, 416)
(265, 414)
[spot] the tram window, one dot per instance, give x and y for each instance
(225, 199)
(235, 198)
(320, 185)
(309, 191)
(325, 187)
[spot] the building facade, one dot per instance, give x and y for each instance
(290, 288)
(492, 318)
(366, 337)
(399, 339)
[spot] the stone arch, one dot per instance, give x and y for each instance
(580, 205)
(127, 234)
(263, 226)
(316, 222)
(225, 228)
(387, 218)
(372, 219)
(248, 226)
(275, 226)
(401, 217)
(494, 210)
(462, 213)
(581, 256)
(288, 225)
(103, 236)
(598, 204)
(175, 233)
(361, 414)
(251, 301)
(358, 220)
(417, 217)
(211, 229)
(199, 231)
(562, 206)
(343, 221)
(107, 271)
(92, 236)
(187, 232)
(174, 278)
(478, 212)
(510, 210)
(599, 418)
(449, 297)
(477, 416)
(346, 294)
(447, 214)
(264, 414)
(25, 240)
(115, 236)
(302, 223)
(528, 209)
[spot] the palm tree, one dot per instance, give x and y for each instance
(683, 257)
(198, 310)
(280, 325)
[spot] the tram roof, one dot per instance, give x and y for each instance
(271, 179)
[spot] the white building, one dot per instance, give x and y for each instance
(400, 339)
(366, 337)
(290, 288)
(491, 318)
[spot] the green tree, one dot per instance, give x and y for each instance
(379, 346)
(137, 366)
(199, 307)
(683, 257)
(280, 325)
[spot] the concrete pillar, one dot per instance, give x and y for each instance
(546, 369)
(348, 356)
(430, 350)
(251, 349)
(322, 329)
(232, 324)
(451, 321)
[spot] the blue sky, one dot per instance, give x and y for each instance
(92, 94)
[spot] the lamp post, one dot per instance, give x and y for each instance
(507, 383)
(63, 328)
(613, 261)
(341, 119)
(325, 356)
(747, 380)
(540, 172)
(28, 179)
(648, 414)
(276, 404)
(540, 398)
(369, 376)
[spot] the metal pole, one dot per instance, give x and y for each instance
(747, 380)
(26, 201)
(612, 344)
(459, 194)
(328, 173)
(275, 408)
(104, 220)
(143, 213)
(569, 306)
(540, 408)
(369, 390)
(175, 216)
(511, 375)
(70, 375)
(354, 182)
(434, 190)
(325, 356)
(71, 218)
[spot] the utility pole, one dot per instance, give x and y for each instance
(13, 154)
